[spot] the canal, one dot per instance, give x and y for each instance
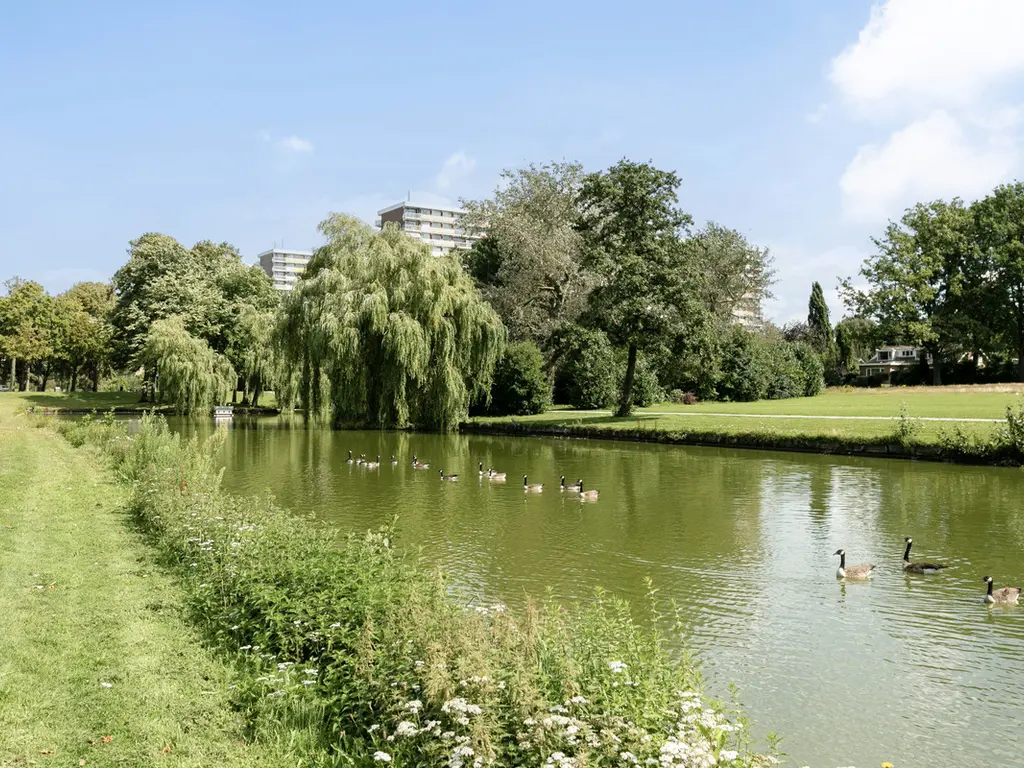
(916, 670)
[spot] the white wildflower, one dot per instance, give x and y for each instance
(381, 757)
(405, 728)
(107, 685)
(414, 706)
(617, 666)
(728, 754)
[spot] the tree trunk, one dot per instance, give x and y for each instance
(74, 378)
(234, 394)
(257, 390)
(14, 378)
(27, 381)
(245, 394)
(96, 377)
(1020, 357)
(626, 403)
(936, 369)
(45, 380)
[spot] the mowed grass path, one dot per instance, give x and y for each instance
(96, 667)
(883, 405)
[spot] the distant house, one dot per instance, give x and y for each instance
(886, 360)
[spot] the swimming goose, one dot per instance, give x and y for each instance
(495, 476)
(372, 464)
(361, 459)
(565, 487)
(1003, 595)
(535, 488)
(349, 459)
(590, 495)
(449, 478)
(393, 460)
(481, 472)
(419, 464)
(910, 567)
(853, 571)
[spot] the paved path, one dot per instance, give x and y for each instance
(792, 416)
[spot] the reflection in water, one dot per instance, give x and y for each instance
(913, 669)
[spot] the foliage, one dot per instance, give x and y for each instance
(364, 648)
(83, 330)
(191, 375)
(585, 374)
(846, 361)
(520, 385)
(26, 323)
(745, 373)
(734, 275)
(819, 326)
(382, 333)
(631, 227)
(813, 370)
(529, 264)
(646, 388)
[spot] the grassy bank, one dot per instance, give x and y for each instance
(120, 402)
(97, 666)
(359, 653)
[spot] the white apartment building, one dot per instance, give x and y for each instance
(284, 267)
(437, 227)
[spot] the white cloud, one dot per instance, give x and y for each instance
(797, 267)
(938, 156)
(295, 144)
(928, 53)
(456, 168)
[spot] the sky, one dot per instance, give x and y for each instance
(805, 125)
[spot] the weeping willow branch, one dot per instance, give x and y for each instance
(379, 332)
(192, 376)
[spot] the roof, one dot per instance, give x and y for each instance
(419, 204)
(897, 346)
(286, 252)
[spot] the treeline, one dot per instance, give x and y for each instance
(949, 277)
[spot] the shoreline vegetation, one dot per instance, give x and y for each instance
(353, 652)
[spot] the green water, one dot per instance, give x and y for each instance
(912, 669)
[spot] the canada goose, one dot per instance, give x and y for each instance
(349, 459)
(498, 477)
(449, 478)
(565, 487)
(853, 571)
(910, 567)
(361, 459)
(481, 472)
(590, 495)
(1003, 595)
(419, 464)
(372, 464)
(535, 488)
(393, 460)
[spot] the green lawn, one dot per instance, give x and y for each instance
(97, 668)
(100, 401)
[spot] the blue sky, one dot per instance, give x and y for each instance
(801, 123)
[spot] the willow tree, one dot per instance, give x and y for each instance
(191, 375)
(382, 333)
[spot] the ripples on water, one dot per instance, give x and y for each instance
(913, 669)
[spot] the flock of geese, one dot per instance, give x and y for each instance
(1001, 596)
(489, 474)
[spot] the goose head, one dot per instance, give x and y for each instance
(839, 552)
(987, 579)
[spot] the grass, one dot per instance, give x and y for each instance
(83, 605)
(100, 401)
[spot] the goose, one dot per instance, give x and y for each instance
(449, 478)
(565, 487)
(590, 495)
(372, 464)
(393, 460)
(361, 459)
(1003, 595)
(349, 459)
(419, 464)
(853, 571)
(498, 477)
(910, 567)
(481, 472)
(535, 488)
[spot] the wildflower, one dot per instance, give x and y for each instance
(235, 627)
(245, 647)
(275, 694)
(580, 700)
(617, 666)
(414, 706)
(311, 671)
(309, 682)
(381, 757)
(728, 754)
(628, 757)
(417, 664)
(405, 728)
(107, 685)
(374, 727)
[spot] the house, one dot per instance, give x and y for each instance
(886, 360)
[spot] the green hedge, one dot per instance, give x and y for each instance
(356, 651)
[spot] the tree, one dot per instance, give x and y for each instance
(26, 326)
(631, 227)
(529, 264)
(736, 275)
(916, 280)
(191, 375)
(1000, 226)
(819, 325)
(83, 331)
(520, 387)
(846, 361)
(381, 332)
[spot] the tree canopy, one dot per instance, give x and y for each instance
(383, 333)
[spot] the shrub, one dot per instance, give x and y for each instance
(683, 398)
(813, 369)
(785, 374)
(361, 649)
(520, 386)
(744, 373)
(646, 388)
(586, 372)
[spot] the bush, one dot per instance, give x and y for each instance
(744, 375)
(646, 389)
(683, 398)
(585, 376)
(813, 369)
(786, 376)
(520, 386)
(358, 651)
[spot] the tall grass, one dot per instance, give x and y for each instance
(356, 650)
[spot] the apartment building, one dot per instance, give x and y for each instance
(284, 267)
(437, 227)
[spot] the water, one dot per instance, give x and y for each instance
(912, 669)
